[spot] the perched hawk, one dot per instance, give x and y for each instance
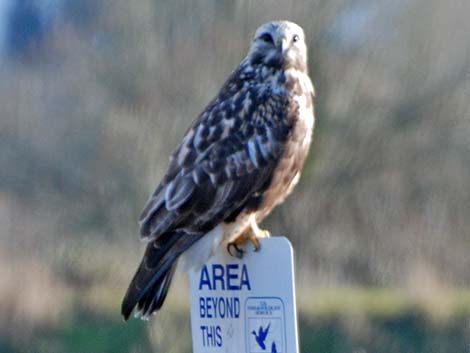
(240, 158)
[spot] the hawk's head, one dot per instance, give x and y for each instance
(279, 44)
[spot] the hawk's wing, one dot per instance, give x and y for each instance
(225, 161)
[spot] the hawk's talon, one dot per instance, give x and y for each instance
(256, 244)
(232, 246)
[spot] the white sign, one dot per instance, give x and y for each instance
(246, 305)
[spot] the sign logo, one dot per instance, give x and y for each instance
(265, 331)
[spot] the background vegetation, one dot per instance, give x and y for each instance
(94, 95)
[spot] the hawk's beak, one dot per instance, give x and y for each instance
(283, 44)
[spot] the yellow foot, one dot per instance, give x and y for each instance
(256, 234)
(252, 235)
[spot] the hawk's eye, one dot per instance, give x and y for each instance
(266, 37)
(295, 38)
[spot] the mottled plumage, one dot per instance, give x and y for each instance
(240, 158)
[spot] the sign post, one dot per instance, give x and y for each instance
(246, 305)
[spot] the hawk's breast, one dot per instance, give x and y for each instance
(287, 173)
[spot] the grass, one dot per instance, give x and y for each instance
(385, 302)
(334, 320)
(57, 314)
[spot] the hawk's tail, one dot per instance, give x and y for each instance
(150, 284)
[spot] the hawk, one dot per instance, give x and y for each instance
(239, 159)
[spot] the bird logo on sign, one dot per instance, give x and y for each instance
(260, 337)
